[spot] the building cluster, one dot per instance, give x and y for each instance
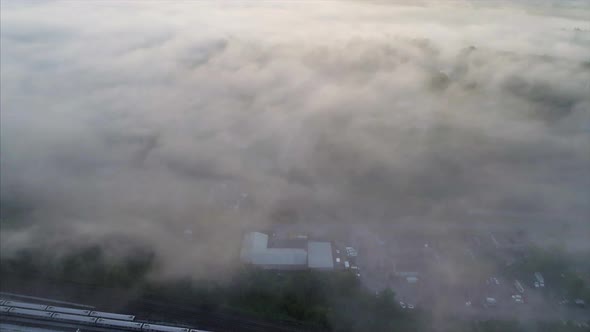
(258, 249)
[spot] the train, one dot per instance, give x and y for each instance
(85, 317)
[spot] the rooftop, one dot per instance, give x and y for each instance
(320, 255)
(259, 249)
(255, 251)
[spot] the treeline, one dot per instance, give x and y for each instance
(496, 325)
(86, 266)
(328, 301)
(332, 301)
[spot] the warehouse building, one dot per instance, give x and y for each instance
(319, 255)
(256, 251)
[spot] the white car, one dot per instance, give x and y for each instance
(490, 302)
(468, 304)
(410, 306)
(518, 298)
(401, 304)
(492, 281)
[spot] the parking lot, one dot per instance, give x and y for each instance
(448, 273)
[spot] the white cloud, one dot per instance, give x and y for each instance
(127, 118)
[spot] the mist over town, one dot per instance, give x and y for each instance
(434, 154)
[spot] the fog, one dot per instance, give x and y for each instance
(142, 120)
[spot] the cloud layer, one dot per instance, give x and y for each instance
(148, 119)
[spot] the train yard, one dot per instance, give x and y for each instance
(83, 317)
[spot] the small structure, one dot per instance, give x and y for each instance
(407, 268)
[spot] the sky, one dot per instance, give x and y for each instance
(144, 119)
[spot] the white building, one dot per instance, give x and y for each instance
(319, 255)
(255, 250)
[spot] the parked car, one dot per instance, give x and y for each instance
(518, 298)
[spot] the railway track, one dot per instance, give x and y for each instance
(152, 309)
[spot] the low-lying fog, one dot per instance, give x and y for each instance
(143, 120)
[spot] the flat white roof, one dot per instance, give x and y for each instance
(320, 255)
(253, 242)
(255, 251)
(279, 256)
